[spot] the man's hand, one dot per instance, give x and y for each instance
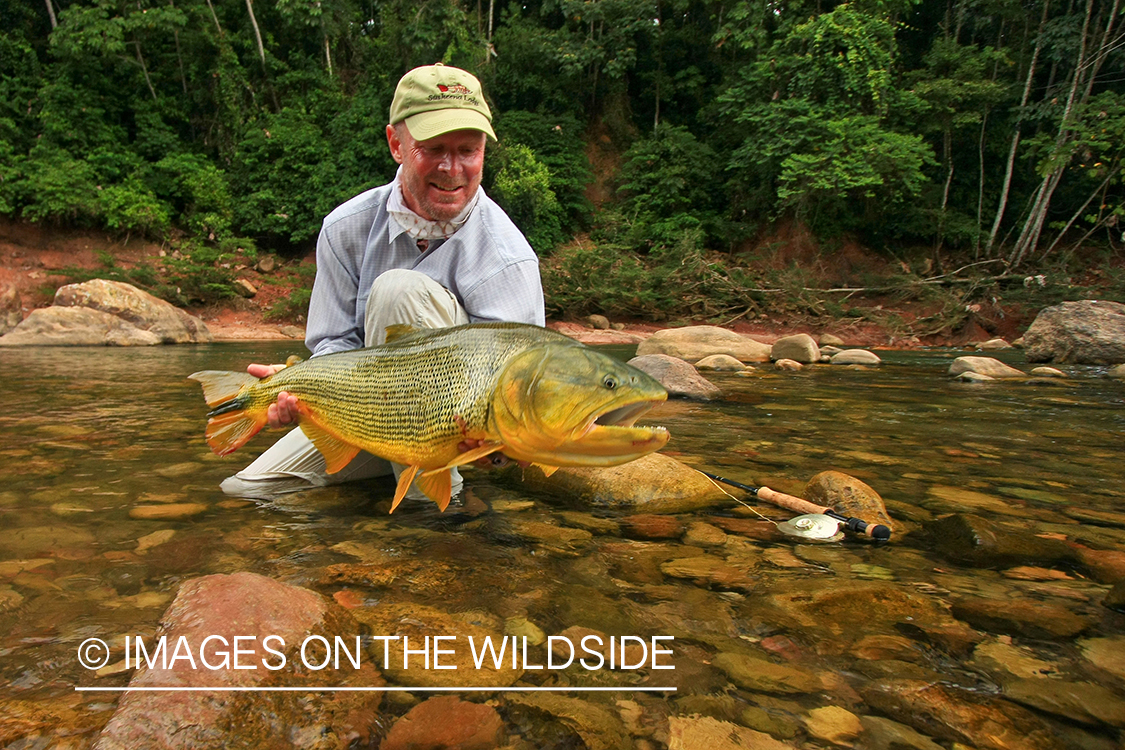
(284, 412)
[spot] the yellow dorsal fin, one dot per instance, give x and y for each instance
(437, 486)
(337, 454)
(468, 457)
(547, 470)
(398, 330)
(404, 480)
(292, 360)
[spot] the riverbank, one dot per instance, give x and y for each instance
(35, 260)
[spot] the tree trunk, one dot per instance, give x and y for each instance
(144, 69)
(51, 13)
(213, 17)
(1010, 167)
(328, 54)
(179, 54)
(1085, 71)
(257, 32)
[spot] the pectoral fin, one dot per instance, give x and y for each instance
(404, 480)
(337, 454)
(547, 470)
(438, 486)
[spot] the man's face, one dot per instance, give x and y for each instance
(439, 175)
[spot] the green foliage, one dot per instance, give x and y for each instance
(57, 187)
(522, 186)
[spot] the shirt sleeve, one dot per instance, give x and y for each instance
(514, 294)
(331, 325)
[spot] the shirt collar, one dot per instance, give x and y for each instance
(418, 227)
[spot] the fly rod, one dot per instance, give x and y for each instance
(797, 505)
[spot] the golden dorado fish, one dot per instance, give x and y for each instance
(528, 392)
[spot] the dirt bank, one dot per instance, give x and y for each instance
(37, 259)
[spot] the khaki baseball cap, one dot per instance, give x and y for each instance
(436, 99)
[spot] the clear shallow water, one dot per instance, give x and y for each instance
(88, 435)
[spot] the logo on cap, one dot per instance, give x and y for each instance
(455, 88)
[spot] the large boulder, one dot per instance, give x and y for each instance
(1087, 332)
(848, 496)
(251, 607)
(652, 484)
(76, 326)
(678, 377)
(693, 343)
(170, 323)
(100, 312)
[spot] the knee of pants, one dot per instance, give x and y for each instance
(404, 296)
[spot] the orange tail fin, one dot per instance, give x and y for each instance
(230, 425)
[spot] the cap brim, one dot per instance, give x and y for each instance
(426, 125)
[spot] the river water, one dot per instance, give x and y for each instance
(93, 437)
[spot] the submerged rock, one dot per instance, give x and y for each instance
(678, 377)
(800, 348)
(706, 733)
(253, 607)
(446, 722)
(693, 343)
(833, 724)
(1090, 332)
(1083, 702)
(652, 484)
(960, 716)
(763, 676)
(599, 729)
(1019, 617)
(884, 734)
(968, 538)
(989, 366)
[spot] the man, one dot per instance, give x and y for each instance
(429, 249)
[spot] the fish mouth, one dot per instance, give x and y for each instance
(612, 437)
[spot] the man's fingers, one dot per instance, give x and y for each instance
(264, 371)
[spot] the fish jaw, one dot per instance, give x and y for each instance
(573, 406)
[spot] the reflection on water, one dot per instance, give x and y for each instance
(110, 500)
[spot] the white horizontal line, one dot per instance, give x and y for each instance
(374, 689)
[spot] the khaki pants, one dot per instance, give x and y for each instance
(293, 463)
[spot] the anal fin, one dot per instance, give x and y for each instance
(230, 431)
(404, 480)
(438, 486)
(337, 454)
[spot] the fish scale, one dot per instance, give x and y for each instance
(529, 392)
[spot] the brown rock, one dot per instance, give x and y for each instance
(800, 347)
(245, 288)
(1019, 617)
(654, 483)
(969, 538)
(989, 366)
(848, 496)
(960, 716)
(1088, 332)
(172, 325)
(169, 511)
(446, 723)
(763, 676)
(720, 363)
(10, 312)
(65, 326)
(678, 377)
(651, 526)
(599, 729)
(707, 733)
(790, 365)
(253, 607)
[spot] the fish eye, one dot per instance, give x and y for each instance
(610, 382)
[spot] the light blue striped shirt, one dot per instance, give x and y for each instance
(487, 264)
